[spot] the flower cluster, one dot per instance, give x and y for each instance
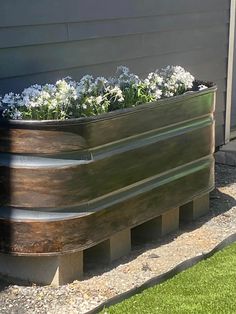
(175, 81)
(92, 96)
(96, 96)
(39, 102)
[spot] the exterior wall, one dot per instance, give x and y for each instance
(233, 108)
(41, 42)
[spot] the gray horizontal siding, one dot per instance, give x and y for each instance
(219, 135)
(200, 70)
(233, 118)
(219, 117)
(40, 58)
(233, 109)
(54, 33)
(73, 37)
(26, 12)
(32, 35)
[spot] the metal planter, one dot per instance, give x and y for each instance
(68, 185)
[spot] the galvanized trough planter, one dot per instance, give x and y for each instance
(67, 186)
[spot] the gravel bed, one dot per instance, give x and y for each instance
(143, 263)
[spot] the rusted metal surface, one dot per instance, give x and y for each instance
(67, 185)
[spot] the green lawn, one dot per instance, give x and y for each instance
(208, 287)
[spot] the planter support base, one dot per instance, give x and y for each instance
(155, 228)
(194, 209)
(109, 250)
(170, 221)
(45, 270)
(120, 244)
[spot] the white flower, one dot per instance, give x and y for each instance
(152, 85)
(175, 80)
(87, 78)
(90, 96)
(101, 80)
(99, 99)
(16, 115)
(85, 86)
(115, 93)
(125, 78)
(9, 99)
(158, 94)
(202, 87)
(52, 104)
(154, 78)
(90, 100)
(122, 70)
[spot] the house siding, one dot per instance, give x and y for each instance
(233, 108)
(40, 42)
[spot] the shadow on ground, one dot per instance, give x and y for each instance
(3, 284)
(6, 282)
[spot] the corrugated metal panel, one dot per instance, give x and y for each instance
(70, 37)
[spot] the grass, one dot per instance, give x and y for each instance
(208, 287)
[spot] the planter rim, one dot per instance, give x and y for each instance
(105, 116)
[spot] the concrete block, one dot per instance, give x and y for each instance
(109, 250)
(97, 255)
(170, 221)
(147, 231)
(120, 244)
(156, 227)
(194, 209)
(43, 270)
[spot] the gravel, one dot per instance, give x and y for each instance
(144, 262)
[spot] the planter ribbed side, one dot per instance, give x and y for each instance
(68, 185)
